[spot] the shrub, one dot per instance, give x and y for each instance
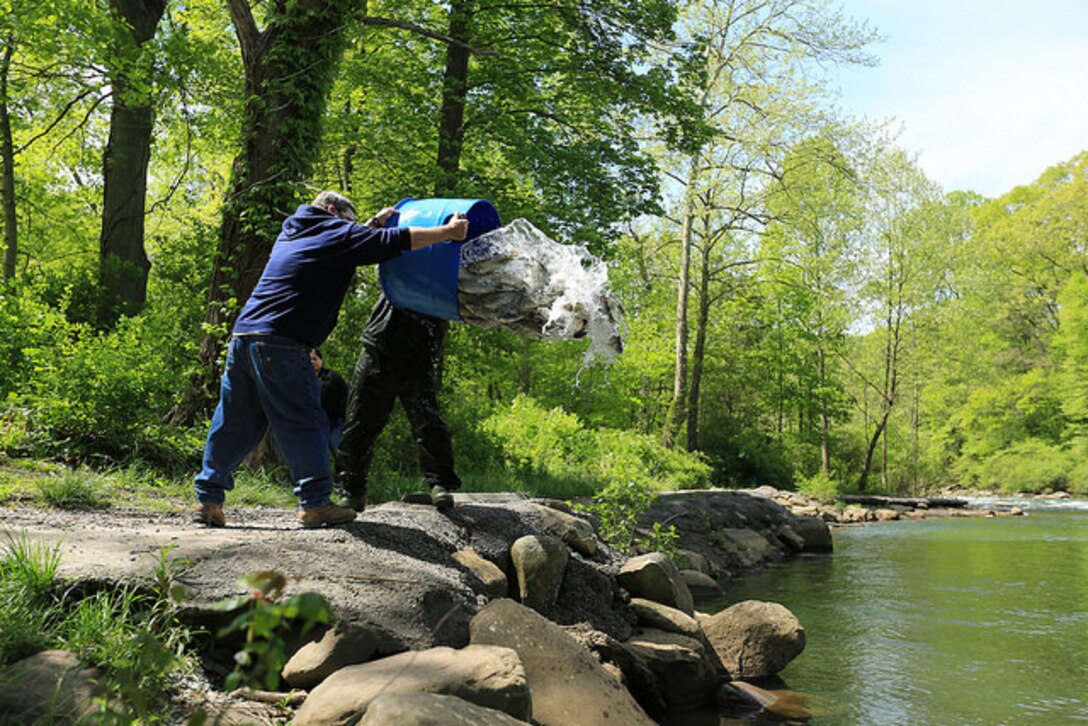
(534, 440)
(72, 490)
(820, 485)
(1027, 466)
(263, 619)
(618, 508)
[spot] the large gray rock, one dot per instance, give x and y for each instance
(754, 638)
(487, 675)
(568, 686)
(432, 709)
(655, 577)
(815, 532)
(540, 563)
(685, 674)
(737, 531)
(337, 647)
(701, 586)
(51, 685)
(747, 548)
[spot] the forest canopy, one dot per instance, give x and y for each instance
(803, 307)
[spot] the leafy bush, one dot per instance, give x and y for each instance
(820, 485)
(618, 508)
(263, 618)
(551, 442)
(98, 395)
(1027, 466)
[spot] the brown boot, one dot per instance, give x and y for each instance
(210, 515)
(328, 515)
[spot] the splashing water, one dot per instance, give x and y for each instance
(518, 279)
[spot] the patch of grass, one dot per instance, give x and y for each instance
(27, 572)
(261, 488)
(133, 635)
(72, 490)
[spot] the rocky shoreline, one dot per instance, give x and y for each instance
(503, 603)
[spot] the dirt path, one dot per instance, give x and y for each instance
(122, 543)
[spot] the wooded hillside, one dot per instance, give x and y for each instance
(804, 307)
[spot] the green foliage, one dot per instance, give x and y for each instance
(1028, 466)
(619, 508)
(72, 490)
(262, 619)
(27, 573)
(79, 393)
(821, 485)
(550, 442)
(134, 636)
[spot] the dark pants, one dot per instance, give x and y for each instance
(375, 385)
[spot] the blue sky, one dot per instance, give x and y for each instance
(987, 93)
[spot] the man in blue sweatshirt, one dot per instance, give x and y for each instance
(269, 381)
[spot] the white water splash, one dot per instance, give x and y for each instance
(518, 279)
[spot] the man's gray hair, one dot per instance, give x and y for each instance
(339, 202)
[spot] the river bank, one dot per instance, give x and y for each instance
(500, 587)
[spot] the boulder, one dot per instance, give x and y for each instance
(748, 549)
(432, 709)
(701, 586)
(654, 577)
(568, 685)
(573, 531)
(690, 560)
(754, 638)
(815, 532)
(51, 686)
(651, 614)
(488, 573)
(540, 563)
(686, 677)
(337, 647)
(487, 675)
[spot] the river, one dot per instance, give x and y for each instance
(942, 621)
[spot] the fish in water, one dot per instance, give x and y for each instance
(517, 279)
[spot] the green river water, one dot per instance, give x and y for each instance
(942, 621)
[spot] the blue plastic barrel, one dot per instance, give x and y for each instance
(426, 280)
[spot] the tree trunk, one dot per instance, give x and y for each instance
(123, 263)
(825, 418)
(677, 414)
(451, 131)
(7, 161)
(289, 70)
(698, 353)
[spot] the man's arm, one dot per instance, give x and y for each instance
(456, 229)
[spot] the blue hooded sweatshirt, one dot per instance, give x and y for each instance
(309, 271)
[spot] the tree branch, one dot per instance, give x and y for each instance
(420, 30)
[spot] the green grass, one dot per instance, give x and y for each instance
(48, 484)
(133, 635)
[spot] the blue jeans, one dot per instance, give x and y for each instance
(269, 381)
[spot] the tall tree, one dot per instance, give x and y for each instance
(123, 262)
(810, 256)
(290, 65)
(898, 278)
(756, 94)
(7, 164)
